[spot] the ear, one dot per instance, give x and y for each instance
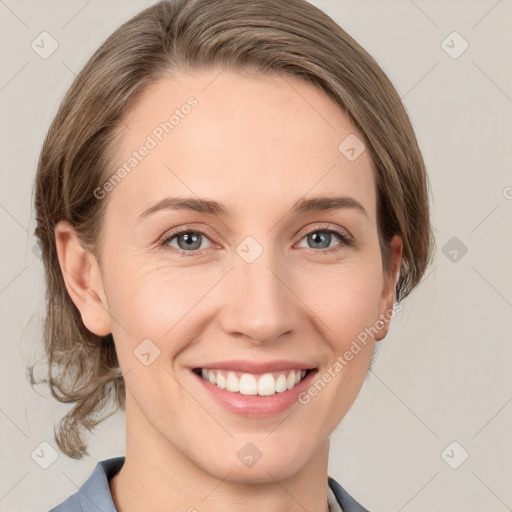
(388, 292)
(82, 276)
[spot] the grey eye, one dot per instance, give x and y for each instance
(187, 240)
(320, 239)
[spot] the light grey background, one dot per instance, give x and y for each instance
(443, 372)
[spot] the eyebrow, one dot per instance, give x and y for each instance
(303, 205)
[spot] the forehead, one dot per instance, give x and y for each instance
(239, 140)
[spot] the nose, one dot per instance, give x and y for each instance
(259, 303)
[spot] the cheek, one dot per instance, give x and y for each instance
(156, 303)
(345, 299)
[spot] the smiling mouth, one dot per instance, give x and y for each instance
(254, 384)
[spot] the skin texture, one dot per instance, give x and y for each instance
(257, 145)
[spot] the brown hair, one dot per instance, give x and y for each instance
(288, 37)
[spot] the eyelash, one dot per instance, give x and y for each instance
(346, 240)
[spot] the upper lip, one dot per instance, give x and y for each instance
(240, 365)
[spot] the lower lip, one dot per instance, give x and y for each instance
(256, 406)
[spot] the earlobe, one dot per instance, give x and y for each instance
(388, 292)
(82, 277)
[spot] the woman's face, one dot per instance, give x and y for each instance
(261, 281)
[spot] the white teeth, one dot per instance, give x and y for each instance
(248, 384)
(267, 385)
(221, 381)
(281, 383)
(290, 381)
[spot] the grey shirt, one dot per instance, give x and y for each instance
(94, 494)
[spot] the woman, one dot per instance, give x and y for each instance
(231, 204)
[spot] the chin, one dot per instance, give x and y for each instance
(250, 464)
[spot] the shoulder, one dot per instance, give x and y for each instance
(94, 494)
(346, 501)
